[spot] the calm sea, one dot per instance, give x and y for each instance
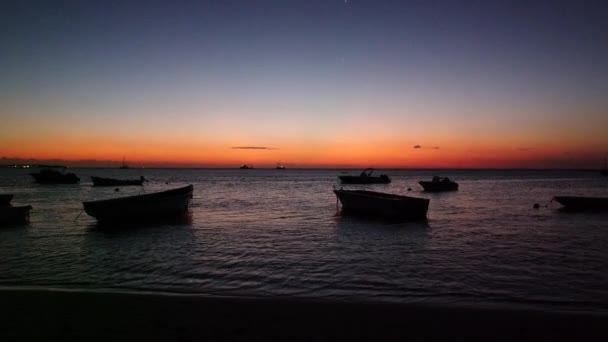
(279, 233)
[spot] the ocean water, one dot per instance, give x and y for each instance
(280, 233)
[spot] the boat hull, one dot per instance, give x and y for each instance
(438, 186)
(142, 208)
(100, 181)
(364, 180)
(15, 215)
(579, 203)
(381, 204)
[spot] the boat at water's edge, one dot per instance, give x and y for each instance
(141, 208)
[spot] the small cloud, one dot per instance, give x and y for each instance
(253, 148)
(434, 148)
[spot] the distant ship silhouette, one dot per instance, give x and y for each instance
(124, 166)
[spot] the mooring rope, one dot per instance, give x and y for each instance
(80, 213)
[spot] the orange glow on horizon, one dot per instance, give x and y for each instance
(387, 154)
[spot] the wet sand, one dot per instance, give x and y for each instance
(41, 315)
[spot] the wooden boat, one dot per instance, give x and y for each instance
(382, 204)
(439, 184)
(5, 199)
(142, 208)
(50, 176)
(579, 203)
(100, 181)
(14, 215)
(365, 178)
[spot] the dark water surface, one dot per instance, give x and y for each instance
(278, 233)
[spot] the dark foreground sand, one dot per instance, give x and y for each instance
(37, 315)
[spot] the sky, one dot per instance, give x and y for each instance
(406, 84)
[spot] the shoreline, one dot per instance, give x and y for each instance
(62, 315)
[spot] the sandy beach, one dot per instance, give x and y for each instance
(50, 315)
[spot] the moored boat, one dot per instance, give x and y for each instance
(14, 215)
(50, 176)
(5, 199)
(382, 204)
(100, 181)
(365, 178)
(439, 184)
(147, 207)
(581, 203)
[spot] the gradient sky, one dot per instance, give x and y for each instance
(318, 83)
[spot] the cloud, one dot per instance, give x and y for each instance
(434, 148)
(253, 148)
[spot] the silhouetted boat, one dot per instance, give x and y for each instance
(365, 178)
(579, 203)
(382, 204)
(15, 215)
(143, 208)
(100, 181)
(245, 167)
(50, 176)
(280, 167)
(5, 199)
(124, 166)
(439, 184)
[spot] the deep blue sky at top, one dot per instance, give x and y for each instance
(314, 61)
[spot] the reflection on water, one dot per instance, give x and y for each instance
(279, 233)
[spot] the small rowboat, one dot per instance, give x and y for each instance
(15, 215)
(141, 208)
(5, 199)
(382, 204)
(100, 181)
(365, 178)
(578, 203)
